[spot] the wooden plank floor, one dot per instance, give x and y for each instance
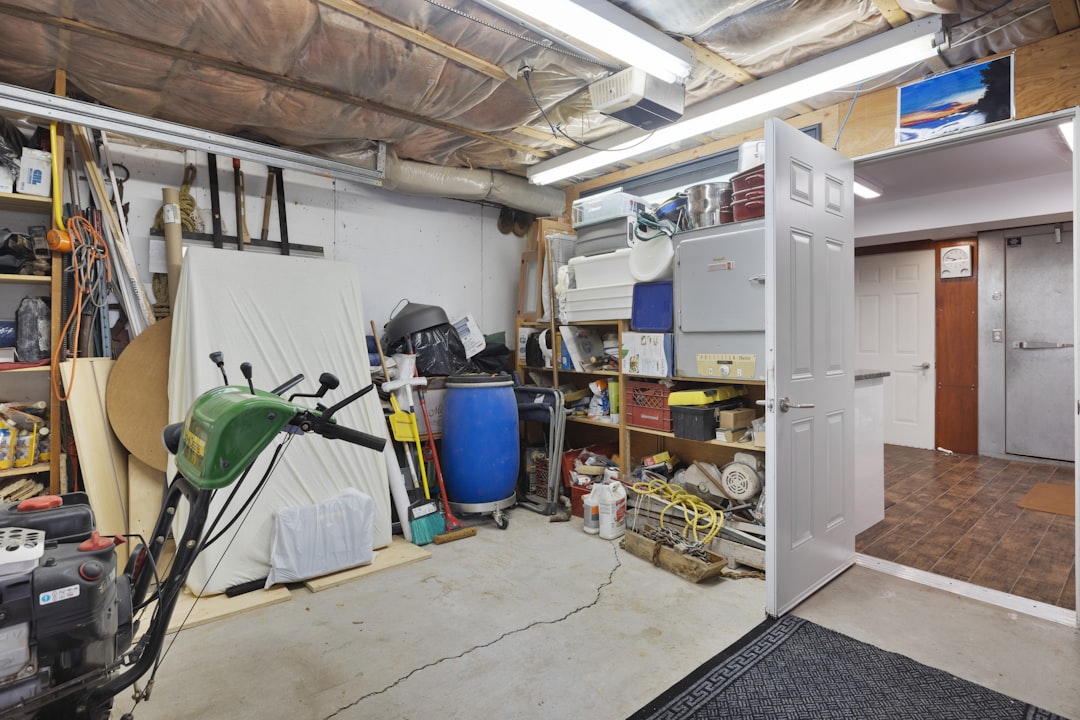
(957, 516)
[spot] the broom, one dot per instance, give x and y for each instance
(454, 529)
(423, 513)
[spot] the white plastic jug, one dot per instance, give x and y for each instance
(591, 512)
(611, 506)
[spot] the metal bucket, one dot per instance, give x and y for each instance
(709, 204)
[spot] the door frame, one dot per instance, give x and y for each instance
(1011, 602)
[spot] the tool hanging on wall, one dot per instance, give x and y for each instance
(215, 200)
(242, 236)
(282, 222)
(268, 199)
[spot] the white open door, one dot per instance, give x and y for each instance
(810, 386)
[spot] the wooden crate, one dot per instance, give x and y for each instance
(689, 568)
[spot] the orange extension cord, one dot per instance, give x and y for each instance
(88, 250)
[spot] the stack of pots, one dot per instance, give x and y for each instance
(748, 197)
(709, 204)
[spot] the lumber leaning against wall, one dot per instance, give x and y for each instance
(1046, 76)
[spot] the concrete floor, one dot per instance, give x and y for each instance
(542, 620)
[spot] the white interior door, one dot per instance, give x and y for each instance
(894, 331)
(810, 386)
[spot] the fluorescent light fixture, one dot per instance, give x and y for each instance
(603, 26)
(1066, 129)
(865, 189)
(847, 66)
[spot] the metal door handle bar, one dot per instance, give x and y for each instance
(786, 404)
(1039, 345)
(760, 279)
(923, 366)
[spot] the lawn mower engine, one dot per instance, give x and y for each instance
(64, 611)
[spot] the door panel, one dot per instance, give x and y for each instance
(1038, 317)
(810, 352)
(894, 305)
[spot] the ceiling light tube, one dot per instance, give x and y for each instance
(847, 66)
(614, 32)
(865, 189)
(1066, 129)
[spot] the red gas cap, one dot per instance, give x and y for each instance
(95, 542)
(41, 502)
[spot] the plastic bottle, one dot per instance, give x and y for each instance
(32, 330)
(611, 506)
(591, 512)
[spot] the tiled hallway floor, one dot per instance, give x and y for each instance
(957, 516)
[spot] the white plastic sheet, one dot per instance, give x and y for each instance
(320, 539)
(284, 315)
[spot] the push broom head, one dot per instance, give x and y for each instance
(452, 535)
(425, 521)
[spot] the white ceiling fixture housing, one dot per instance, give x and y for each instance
(876, 56)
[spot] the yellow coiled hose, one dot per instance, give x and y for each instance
(703, 521)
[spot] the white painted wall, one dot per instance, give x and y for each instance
(966, 212)
(428, 250)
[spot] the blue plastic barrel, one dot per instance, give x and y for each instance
(480, 439)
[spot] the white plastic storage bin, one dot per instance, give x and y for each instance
(607, 313)
(611, 268)
(599, 208)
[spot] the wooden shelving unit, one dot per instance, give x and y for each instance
(20, 383)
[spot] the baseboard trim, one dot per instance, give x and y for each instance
(1041, 610)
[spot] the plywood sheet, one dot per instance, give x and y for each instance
(102, 459)
(399, 553)
(146, 487)
(137, 396)
(216, 607)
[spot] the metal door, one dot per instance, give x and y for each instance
(894, 331)
(1039, 351)
(810, 386)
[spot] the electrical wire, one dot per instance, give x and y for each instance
(982, 14)
(846, 116)
(556, 129)
(93, 280)
(972, 37)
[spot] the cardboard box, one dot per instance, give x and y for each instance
(759, 438)
(435, 398)
(735, 435)
(739, 418)
(35, 173)
(649, 354)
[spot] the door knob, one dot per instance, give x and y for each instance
(924, 366)
(786, 404)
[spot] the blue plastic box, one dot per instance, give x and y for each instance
(652, 308)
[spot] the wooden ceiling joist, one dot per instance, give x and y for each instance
(718, 62)
(262, 75)
(538, 134)
(892, 12)
(355, 10)
(1066, 14)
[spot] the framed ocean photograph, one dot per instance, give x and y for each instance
(954, 101)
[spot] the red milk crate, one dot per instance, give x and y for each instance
(646, 404)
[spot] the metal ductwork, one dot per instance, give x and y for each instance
(416, 178)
